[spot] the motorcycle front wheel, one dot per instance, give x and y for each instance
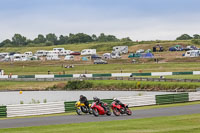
(78, 111)
(128, 112)
(95, 112)
(116, 112)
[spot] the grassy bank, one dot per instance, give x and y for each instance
(99, 85)
(172, 124)
(18, 85)
(39, 67)
(131, 85)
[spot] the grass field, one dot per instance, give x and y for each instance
(38, 67)
(18, 85)
(171, 124)
(101, 85)
(100, 46)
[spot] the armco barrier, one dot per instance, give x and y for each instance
(70, 106)
(138, 100)
(26, 76)
(172, 98)
(63, 76)
(182, 73)
(3, 111)
(102, 75)
(35, 109)
(194, 96)
(141, 74)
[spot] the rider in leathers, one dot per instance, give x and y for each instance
(99, 102)
(84, 100)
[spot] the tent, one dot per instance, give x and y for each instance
(147, 55)
(134, 55)
(84, 59)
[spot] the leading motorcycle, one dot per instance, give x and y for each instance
(81, 108)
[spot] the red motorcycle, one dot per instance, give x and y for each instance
(118, 109)
(97, 109)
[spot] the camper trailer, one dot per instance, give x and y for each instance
(40, 53)
(52, 56)
(88, 51)
(69, 57)
(20, 57)
(120, 49)
(192, 53)
(62, 51)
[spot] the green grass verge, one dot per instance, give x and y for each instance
(27, 85)
(39, 67)
(171, 124)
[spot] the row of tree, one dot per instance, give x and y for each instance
(52, 39)
(188, 37)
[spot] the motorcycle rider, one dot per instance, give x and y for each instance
(99, 102)
(119, 102)
(84, 100)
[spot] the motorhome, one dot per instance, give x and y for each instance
(192, 53)
(120, 49)
(41, 53)
(88, 51)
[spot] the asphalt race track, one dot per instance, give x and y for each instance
(52, 120)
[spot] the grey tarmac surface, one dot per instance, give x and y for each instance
(53, 120)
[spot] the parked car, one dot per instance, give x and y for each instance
(75, 53)
(100, 61)
(95, 57)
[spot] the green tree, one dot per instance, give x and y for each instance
(39, 39)
(6, 42)
(63, 39)
(107, 38)
(51, 38)
(196, 36)
(127, 39)
(19, 40)
(184, 37)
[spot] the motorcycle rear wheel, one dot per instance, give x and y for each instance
(108, 112)
(95, 112)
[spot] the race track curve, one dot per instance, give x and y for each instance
(66, 119)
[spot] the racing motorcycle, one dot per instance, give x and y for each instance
(81, 108)
(118, 109)
(97, 109)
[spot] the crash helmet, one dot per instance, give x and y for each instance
(114, 99)
(95, 98)
(81, 96)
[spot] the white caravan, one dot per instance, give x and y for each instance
(52, 56)
(88, 51)
(19, 57)
(28, 54)
(41, 53)
(192, 53)
(120, 49)
(69, 57)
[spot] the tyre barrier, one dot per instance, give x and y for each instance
(3, 111)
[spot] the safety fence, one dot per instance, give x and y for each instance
(61, 107)
(3, 111)
(35, 109)
(97, 75)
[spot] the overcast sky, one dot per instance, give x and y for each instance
(138, 19)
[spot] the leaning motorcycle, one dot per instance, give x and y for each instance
(97, 109)
(118, 109)
(81, 108)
